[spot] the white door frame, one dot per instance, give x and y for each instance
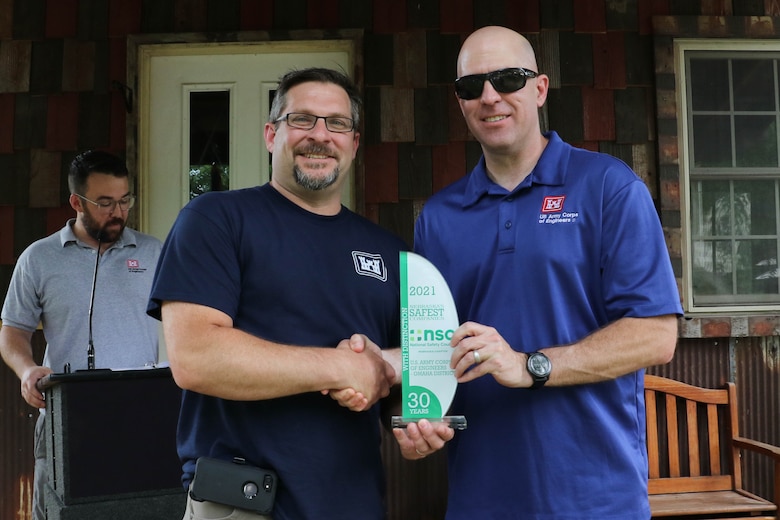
(138, 57)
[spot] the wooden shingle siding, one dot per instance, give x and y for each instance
(94, 126)
(523, 16)
(409, 60)
(256, 15)
(6, 123)
(414, 171)
(44, 179)
(61, 18)
(15, 65)
(190, 16)
(389, 16)
(6, 19)
(157, 16)
(609, 60)
(46, 67)
(355, 14)
(92, 20)
(633, 113)
(6, 235)
(397, 114)
(124, 17)
(564, 107)
(442, 53)
(557, 14)
(458, 17)
(424, 15)
(590, 16)
(449, 164)
(29, 225)
(576, 58)
(381, 175)
(30, 121)
(78, 71)
(622, 16)
(62, 122)
(379, 68)
(430, 115)
(598, 108)
(29, 19)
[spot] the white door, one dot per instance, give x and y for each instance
(173, 77)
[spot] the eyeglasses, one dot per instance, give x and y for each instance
(107, 206)
(335, 124)
(504, 81)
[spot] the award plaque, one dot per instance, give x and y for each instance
(428, 320)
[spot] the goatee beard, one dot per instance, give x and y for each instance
(315, 184)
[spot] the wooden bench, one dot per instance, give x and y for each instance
(694, 454)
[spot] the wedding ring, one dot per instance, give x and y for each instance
(419, 452)
(477, 360)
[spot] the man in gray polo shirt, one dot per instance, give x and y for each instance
(52, 285)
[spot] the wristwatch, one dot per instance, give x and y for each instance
(539, 366)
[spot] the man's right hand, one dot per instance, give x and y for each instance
(30, 392)
(372, 378)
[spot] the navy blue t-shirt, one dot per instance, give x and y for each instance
(293, 277)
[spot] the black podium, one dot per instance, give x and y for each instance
(111, 441)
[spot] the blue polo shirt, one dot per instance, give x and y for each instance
(576, 246)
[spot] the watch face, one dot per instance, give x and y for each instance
(539, 364)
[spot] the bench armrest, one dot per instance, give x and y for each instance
(764, 449)
(758, 447)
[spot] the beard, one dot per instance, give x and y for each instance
(311, 182)
(315, 183)
(101, 233)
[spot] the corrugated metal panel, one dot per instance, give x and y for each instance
(17, 427)
(700, 362)
(758, 391)
(415, 489)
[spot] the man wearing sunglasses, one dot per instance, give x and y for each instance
(94, 262)
(559, 269)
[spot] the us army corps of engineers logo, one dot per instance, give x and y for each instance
(369, 264)
(552, 211)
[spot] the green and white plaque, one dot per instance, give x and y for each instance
(428, 320)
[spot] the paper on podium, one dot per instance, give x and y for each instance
(428, 320)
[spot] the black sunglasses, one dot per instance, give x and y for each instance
(504, 81)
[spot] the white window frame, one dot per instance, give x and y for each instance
(681, 47)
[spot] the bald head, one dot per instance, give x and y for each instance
(492, 48)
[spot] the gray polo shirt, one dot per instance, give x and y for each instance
(52, 283)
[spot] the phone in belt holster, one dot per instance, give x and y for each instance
(235, 484)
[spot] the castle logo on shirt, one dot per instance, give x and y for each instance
(369, 264)
(134, 266)
(552, 211)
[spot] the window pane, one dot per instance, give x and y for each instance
(712, 268)
(759, 203)
(712, 141)
(755, 141)
(709, 84)
(757, 267)
(711, 209)
(754, 84)
(209, 142)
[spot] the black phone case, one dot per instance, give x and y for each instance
(234, 484)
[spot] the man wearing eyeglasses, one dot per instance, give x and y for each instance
(55, 283)
(275, 302)
(558, 266)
